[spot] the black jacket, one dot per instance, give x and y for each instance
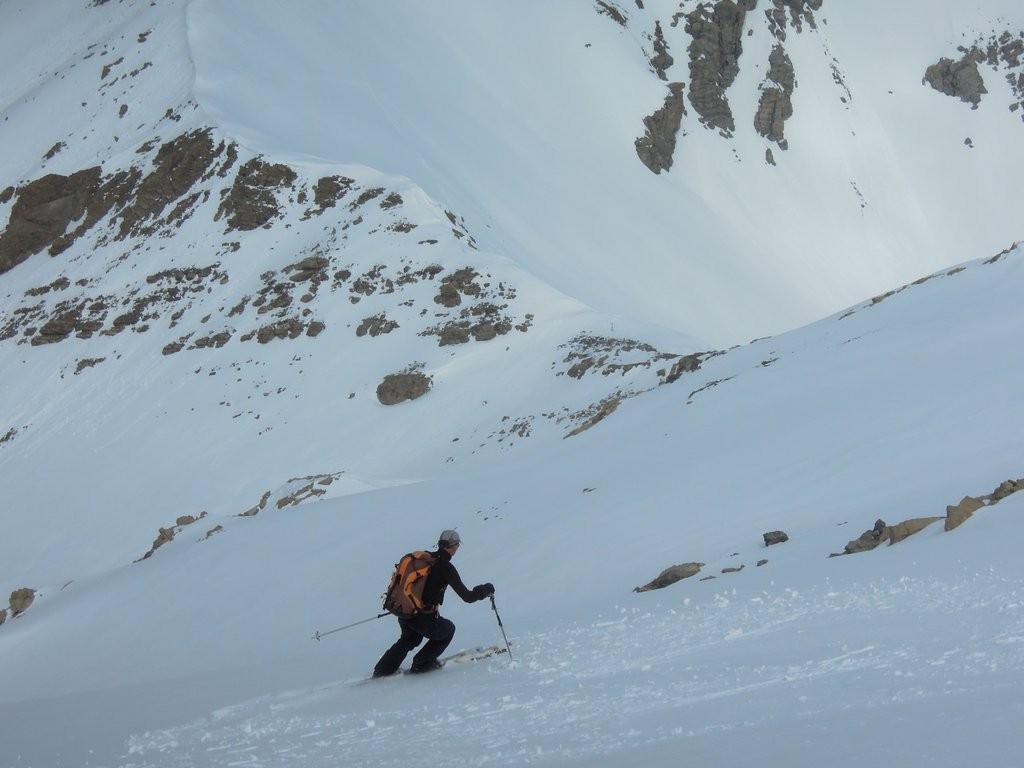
(442, 574)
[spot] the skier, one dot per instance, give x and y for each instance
(429, 623)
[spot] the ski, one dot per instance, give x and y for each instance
(460, 657)
(475, 654)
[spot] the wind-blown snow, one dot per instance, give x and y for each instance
(202, 655)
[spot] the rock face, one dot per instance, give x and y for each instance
(252, 202)
(776, 103)
(662, 59)
(655, 147)
(717, 33)
(957, 78)
(800, 12)
(42, 213)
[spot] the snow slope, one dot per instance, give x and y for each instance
(533, 144)
(207, 658)
(521, 168)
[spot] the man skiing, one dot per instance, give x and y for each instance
(429, 623)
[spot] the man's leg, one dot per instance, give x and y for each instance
(395, 655)
(439, 633)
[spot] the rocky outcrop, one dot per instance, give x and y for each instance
(179, 166)
(907, 528)
(166, 535)
(376, 325)
(612, 11)
(957, 78)
(656, 147)
(42, 213)
(670, 576)
(775, 537)
(892, 533)
(717, 33)
(662, 59)
(867, 540)
(398, 387)
(21, 599)
(252, 202)
(776, 104)
(799, 13)
(957, 514)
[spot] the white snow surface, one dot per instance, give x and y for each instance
(520, 119)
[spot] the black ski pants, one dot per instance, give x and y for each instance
(438, 632)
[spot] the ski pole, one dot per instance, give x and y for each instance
(502, 628)
(318, 635)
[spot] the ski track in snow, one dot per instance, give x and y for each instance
(638, 678)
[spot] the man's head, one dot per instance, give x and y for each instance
(449, 539)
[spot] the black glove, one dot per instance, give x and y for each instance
(482, 591)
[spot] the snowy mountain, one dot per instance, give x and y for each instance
(287, 289)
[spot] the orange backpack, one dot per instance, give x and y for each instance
(404, 597)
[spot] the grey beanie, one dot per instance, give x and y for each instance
(448, 537)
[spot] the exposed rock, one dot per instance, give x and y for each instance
(736, 569)
(612, 11)
(179, 165)
(453, 333)
(42, 213)
(662, 59)
(775, 537)
(685, 364)
(606, 355)
(717, 33)
(376, 325)
(597, 413)
(391, 201)
(165, 535)
(3, 616)
(958, 513)
(252, 511)
(656, 147)
(901, 531)
(398, 387)
(762, 562)
(460, 283)
(800, 11)
(57, 328)
(365, 197)
(957, 78)
(1006, 488)
(213, 341)
(867, 540)
(21, 599)
(670, 576)
(776, 104)
(290, 328)
(88, 362)
(252, 201)
(327, 192)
